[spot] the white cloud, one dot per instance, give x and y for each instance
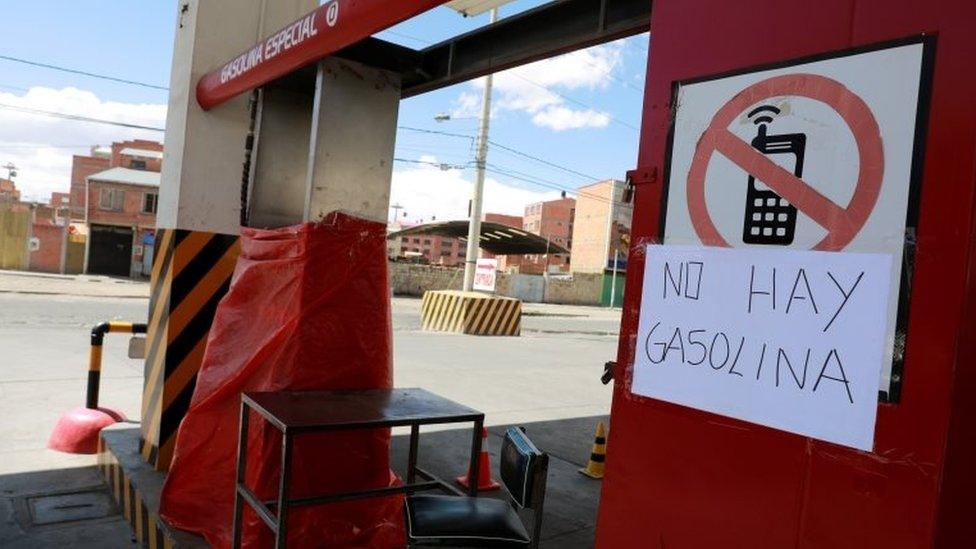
(41, 146)
(427, 191)
(534, 89)
(562, 118)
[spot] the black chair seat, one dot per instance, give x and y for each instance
(463, 520)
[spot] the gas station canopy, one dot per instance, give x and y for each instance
(495, 238)
(550, 29)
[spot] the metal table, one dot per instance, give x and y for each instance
(298, 412)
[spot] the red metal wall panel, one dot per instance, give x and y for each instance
(677, 477)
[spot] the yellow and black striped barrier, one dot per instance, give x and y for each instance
(191, 273)
(95, 354)
(471, 313)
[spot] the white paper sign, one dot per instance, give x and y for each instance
(484, 275)
(789, 339)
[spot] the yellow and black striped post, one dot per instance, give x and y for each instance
(191, 273)
(471, 313)
(95, 354)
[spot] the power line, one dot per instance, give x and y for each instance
(443, 166)
(505, 148)
(408, 37)
(574, 101)
(436, 132)
(83, 73)
(80, 118)
(542, 161)
(533, 180)
(520, 176)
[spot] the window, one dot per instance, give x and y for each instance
(426, 242)
(149, 203)
(111, 199)
(137, 164)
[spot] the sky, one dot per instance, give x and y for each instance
(577, 115)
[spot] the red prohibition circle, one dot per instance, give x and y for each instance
(842, 223)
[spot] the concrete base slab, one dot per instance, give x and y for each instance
(571, 502)
(136, 487)
(571, 499)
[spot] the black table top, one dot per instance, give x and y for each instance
(305, 410)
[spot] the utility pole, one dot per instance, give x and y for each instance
(396, 211)
(610, 246)
(545, 271)
(11, 170)
(474, 225)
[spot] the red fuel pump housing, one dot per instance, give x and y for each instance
(678, 477)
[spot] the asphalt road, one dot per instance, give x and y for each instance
(547, 378)
(551, 372)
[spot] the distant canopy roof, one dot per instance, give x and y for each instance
(495, 238)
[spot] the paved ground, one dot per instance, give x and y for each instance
(548, 378)
(78, 285)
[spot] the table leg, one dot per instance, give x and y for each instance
(412, 459)
(475, 456)
(286, 440)
(241, 470)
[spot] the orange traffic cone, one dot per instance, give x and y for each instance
(485, 482)
(594, 469)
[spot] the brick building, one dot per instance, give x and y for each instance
(601, 233)
(119, 207)
(60, 200)
(433, 249)
(505, 262)
(553, 220)
(8, 191)
(81, 168)
(138, 154)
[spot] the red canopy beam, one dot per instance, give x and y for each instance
(322, 32)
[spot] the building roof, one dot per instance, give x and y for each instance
(142, 153)
(495, 238)
(127, 175)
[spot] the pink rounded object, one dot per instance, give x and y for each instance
(77, 430)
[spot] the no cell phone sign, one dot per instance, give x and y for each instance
(842, 223)
(816, 154)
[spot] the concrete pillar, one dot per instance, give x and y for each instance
(353, 139)
(326, 148)
(199, 205)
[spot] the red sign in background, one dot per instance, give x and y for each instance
(842, 223)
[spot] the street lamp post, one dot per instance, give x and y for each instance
(474, 226)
